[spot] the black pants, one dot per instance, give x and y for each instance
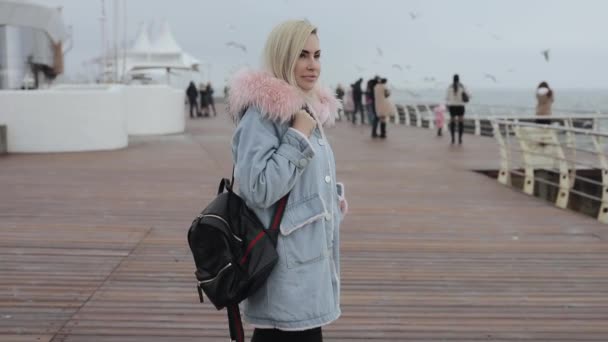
(359, 108)
(272, 335)
(193, 105)
(456, 114)
(377, 121)
(212, 104)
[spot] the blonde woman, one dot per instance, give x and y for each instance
(280, 147)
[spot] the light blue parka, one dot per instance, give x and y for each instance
(271, 159)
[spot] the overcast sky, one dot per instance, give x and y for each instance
(503, 38)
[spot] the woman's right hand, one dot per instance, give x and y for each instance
(304, 122)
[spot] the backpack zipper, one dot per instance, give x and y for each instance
(224, 221)
(201, 282)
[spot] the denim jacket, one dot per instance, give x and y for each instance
(271, 159)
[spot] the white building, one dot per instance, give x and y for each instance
(32, 39)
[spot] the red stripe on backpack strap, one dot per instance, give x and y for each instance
(251, 245)
(279, 213)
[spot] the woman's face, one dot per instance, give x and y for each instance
(308, 65)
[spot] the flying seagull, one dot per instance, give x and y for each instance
(490, 76)
(545, 54)
(414, 15)
(397, 66)
(380, 53)
(413, 93)
(237, 45)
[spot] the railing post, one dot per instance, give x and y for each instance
(406, 110)
(571, 145)
(528, 166)
(596, 125)
(477, 125)
(602, 216)
(504, 174)
(418, 116)
(431, 116)
(564, 177)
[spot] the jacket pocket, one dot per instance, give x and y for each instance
(303, 232)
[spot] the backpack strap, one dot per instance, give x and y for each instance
(234, 314)
(278, 214)
(235, 324)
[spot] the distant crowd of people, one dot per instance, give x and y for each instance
(200, 100)
(374, 106)
(378, 106)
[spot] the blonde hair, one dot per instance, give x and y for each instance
(283, 48)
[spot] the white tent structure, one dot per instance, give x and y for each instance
(148, 56)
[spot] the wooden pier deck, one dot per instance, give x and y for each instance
(93, 245)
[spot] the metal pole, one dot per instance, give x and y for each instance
(116, 22)
(125, 43)
(103, 41)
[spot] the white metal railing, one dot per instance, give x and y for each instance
(478, 118)
(563, 150)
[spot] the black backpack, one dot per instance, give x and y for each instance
(233, 252)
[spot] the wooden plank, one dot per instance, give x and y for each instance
(26, 338)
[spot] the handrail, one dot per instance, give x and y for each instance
(554, 117)
(556, 128)
(541, 148)
(477, 120)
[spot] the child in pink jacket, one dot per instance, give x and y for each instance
(439, 118)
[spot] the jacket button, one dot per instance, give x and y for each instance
(328, 217)
(321, 142)
(327, 179)
(303, 162)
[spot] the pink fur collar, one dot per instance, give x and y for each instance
(275, 98)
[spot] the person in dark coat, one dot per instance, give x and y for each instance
(210, 98)
(357, 99)
(192, 94)
(202, 89)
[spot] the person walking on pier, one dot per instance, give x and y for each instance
(384, 107)
(210, 99)
(340, 96)
(204, 99)
(358, 100)
(456, 98)
(349, 104)
(192, 94)
(371, 105)
(439, 112)
(280, 147)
